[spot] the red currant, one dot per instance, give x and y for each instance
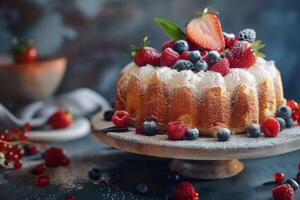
(17, 164)
(42, 180)
(32, 150)
(23, 137)
(71, 197)
(27, 127)
(39, 169)
(278, 177)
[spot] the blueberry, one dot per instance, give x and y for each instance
(149, 128)
(247, 34)
(289, 123)
(94, 174)
(281, 122)
(141, 188)
(183, 65)
(223, 134)
(284, 112)
(213, 57)
(194, 56)
(293, 183)
(107, 115)
(200, 65)
(253, 130)
(192, 134)
(181, 46)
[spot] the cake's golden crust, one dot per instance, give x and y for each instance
(279, 90)
(121, 93)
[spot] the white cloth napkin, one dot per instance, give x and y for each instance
(79, 102)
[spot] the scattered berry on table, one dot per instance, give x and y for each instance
(253, 130)
(176, 130)
(70, 197)
(169, 43)
(139, 129)
(247, 34)
(181, 46)
(29, 149)
(284, 112)
(192, 134)
(281, 122)
(222, 66)
(200, 65)
(147, 55)
(293, 183)
(61, 119)
(194, 56)
(184, 55)
(55, 156)
(183, 65)
(283, 192)
(39, 169)
(213, 57)
(107, 115)
(278, 177)
(94, 174)
(185, 191)
(42, 180)
(289, 123)
(149, 128)
(121, 119)
(270, 127)
(230, 39)
(223, 134)
(168, 57)
(141, 188)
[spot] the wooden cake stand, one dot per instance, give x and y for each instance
(204, 158)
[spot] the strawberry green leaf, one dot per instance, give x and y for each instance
(257, 45)
(170, 28)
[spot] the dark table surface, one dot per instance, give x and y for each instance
(126, 170)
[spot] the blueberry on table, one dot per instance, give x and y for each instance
(149, 128)
(192, 134)
(284, 112)
(94, 174)
(253, 130)
(289, 123)
(223, 134)
(282, 123)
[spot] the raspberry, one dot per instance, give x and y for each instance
(167, 44)
(176, 130)
(147, 55)
(185, 191)
(292, 104)
(39, 169)
(222, 66)
(278, 177)
(52, 156)
(270, 127)
(283, 192)
(42, 180)
(168, 57)
(121, 119)
(185, 55)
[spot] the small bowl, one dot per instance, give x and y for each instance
(23, 82)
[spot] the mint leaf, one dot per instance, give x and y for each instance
(256, 46)
(170, 28)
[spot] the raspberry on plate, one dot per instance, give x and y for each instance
(185, 191)
(121, 119)
(222, 66)
(176, 130)
(168, 57)
(283, 192)
(270, 127)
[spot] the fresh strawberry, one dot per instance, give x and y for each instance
(230, 39)
(185, 191)
(176, 130)
(283, 192)
(169, 43)
(61, 119)
(168, 57)
(205, 32)
(184, 55)
(222, 66)
(121, 119)
(270, 127)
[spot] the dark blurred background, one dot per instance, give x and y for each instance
(93, 34)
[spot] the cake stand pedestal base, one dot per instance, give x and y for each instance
(206, 169)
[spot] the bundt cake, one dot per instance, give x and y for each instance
(209, 80)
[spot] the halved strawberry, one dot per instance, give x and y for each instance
(205, 32)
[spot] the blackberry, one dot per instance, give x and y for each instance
(183, 65)
(247, 34)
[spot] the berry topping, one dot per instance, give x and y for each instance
(149, 128)
(121, 119)
(169, 43)
(205, 32)
(281, 122)
(176, 130)
(200, 65)
(289, 123)
(213, 57)
(247, 34)
(222, 66)
(230, 39)
(147, 55)
(278, 177)
(283, 192)
(253, 130)
(39, 169)
(194, 56)
(24, 52)
(284, 112)
(192, 134)
(141, 188)
(223, 134)
(293, 183)
(107, 115)
(185, 55)
(183, 65)
(94, 174)
(42, 180)
(181, 46)
(61, 119)
(185, 191)
(168, 57)
(270, 127)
